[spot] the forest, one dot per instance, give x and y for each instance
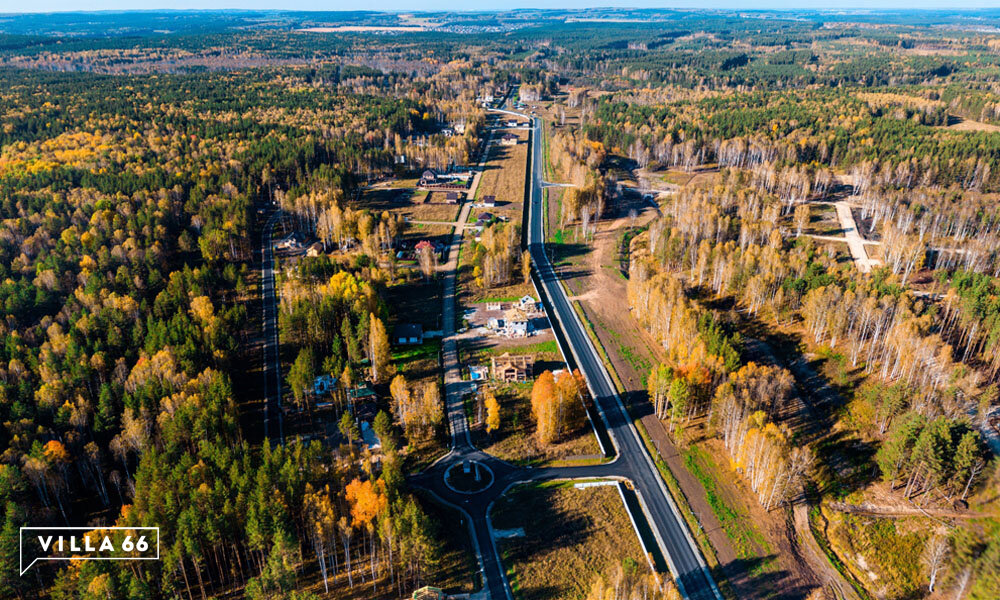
(143, 154)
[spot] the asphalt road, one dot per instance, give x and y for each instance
(274, 427)
(634, 462)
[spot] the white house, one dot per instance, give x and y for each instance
(518, 324)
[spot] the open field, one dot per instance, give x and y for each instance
(571, 536)
(503, 176)
(970, 125)
(883, 553)
(415, 206)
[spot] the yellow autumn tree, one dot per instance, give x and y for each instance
(378, 349)
(492, 411)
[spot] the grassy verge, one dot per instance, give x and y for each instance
(748, 541)
(683, 505)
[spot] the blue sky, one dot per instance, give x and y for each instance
(398, 5)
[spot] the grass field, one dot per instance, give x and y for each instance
(416, 206)
(515, 440)
(504, 176)
(571, 537)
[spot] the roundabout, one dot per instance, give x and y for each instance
(468, 477)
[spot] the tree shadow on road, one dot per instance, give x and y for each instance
(754, 573)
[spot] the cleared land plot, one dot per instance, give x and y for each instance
(823, 221)
(571, 537)
(415, 206)
(478, 334)
(415, 302)
(470, 293)
(882, 553)
(503, 176)
(515, 440)
(969, 125)
(414, 232)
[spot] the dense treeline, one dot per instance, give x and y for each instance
(127, 231)
(727, 242)
(777, 129)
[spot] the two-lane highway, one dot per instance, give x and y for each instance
(274, 426)
(675, 541)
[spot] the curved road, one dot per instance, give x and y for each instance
(633, 463)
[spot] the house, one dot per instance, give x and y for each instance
(528, 304)
(362, 391)
(292, 241)
(518, 324)
(511, 368)
(408, 334)
(314, 249)
(508, 139)
(429, 593)
(324, 384)
(429, 177)
(496, 324)
(489, 201)
(484, 218)
(451, 198)
(511, 124)
(424, 244)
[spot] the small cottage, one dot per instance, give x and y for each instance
(408, 334)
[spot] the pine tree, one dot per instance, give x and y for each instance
(301, 376)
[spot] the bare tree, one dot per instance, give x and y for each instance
(935, 557)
